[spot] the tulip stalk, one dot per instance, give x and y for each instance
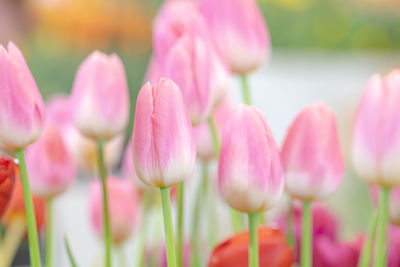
(306, 245)
(169, 232)
(29, 210)
(246, 89)
(367, 247)
(103, 175)
(179, 232)
(253, 247)
(49, 233)
(382, 225)
(289, 226)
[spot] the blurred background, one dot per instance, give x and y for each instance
(322, 50)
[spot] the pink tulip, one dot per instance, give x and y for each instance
(123, 208)
(189, 65)
(250, 173)
(311, 154)
(51, 167)
(376, 136)
(204, 140)
(129, 171)
(22, 110)
(82, 148)
(239, 32)
(174, 20)
(100, 97)
(164, 148)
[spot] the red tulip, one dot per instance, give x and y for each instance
(7, 178)
(273, 250)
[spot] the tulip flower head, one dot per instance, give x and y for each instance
(7, 178)
(311, 154)
(51, 166)
(22, 111)
(189, 65)
(123, 208)
(239, 32)
(250, 173)
(164, 148)
(100, 97)
(376, 135)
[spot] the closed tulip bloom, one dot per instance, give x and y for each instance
(189, 65)
(311, 154)
(22, 110)
(164, 148)
(174, 20)
(376, 135)
(239, 32)
(250, 175)
(51, 167)
(100, 97)
(123, 208)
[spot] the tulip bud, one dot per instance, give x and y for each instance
(250, 173)
(164, 148)
(7, 178)
(189, 65)
(100, 97)
(54, 170)
(221, 114)
(311, 154)
(239, 32)
(174, 20)
(22, 110)
(376, 135)
(123, 208)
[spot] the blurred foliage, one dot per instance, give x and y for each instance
(333, 24)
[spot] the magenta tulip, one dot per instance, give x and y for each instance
(100, 97)
(311, 154)
(250, 173)
(239, 32)
(51, 167)
(164, 148)
(376, 136)
(22, 111)
(123, 208)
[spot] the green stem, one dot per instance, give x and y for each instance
(103, 176)
(49, 233)
(71, 257)
(30, 212)
(382, 225)
(367, 247)
(201, 195)
(214, 134)
(209, 197)
(253, 247)
(246, 89)
(143, 228)
(306, 245)
(179, 232)
(289, 226)
(169, 232)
